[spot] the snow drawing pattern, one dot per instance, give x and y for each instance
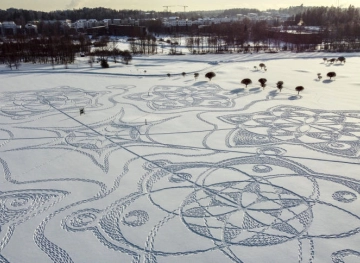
(21, 105)
(171, 98)
(206, 202)
(330, 132)
(259, 207)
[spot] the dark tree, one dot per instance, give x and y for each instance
(126, 56)
(262, 82)
(262, 65)
(299, 88)
(332, 60)
(246, 82)
(104, 63)
(196, 75)
(183, 74)
(325, 59)
(168, 75)
(331, 75)
(319, 76)
(279, 85)
(210, 75)
(342, 59)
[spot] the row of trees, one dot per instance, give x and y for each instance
(54, 50)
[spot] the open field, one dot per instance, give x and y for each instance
(177, 169)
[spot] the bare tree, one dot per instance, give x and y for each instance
(319, 76)
(12, 60)
(246, 82)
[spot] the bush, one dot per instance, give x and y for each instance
(104, 63)
(196, 75)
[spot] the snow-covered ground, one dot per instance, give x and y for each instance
(173, 169)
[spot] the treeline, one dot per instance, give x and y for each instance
(340, 28)
(62, 50)
(54, 50)
(329, 16)
(22, 16)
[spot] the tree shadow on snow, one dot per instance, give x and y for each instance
(199, 83)
(295, 97)
(254, 89)
(327, 81)
(236, 91)
(273, 92)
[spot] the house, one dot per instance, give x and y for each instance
(31, 29)
(9, 28)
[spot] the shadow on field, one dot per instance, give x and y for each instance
(327, 81)
(295, 97)
(254, 89)
(236, 91)
(199, 83)
(273, 93)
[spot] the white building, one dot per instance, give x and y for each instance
(92, 23)
(117, 21)
(30, 28)
(9, 27)
(107, 21)
(80, 24)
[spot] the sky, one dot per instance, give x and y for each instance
(176, 5)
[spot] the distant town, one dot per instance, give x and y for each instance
(81, 25)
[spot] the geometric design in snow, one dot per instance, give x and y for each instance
(332, 132)
(26, 104)
(174, 97)
(228, 205)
